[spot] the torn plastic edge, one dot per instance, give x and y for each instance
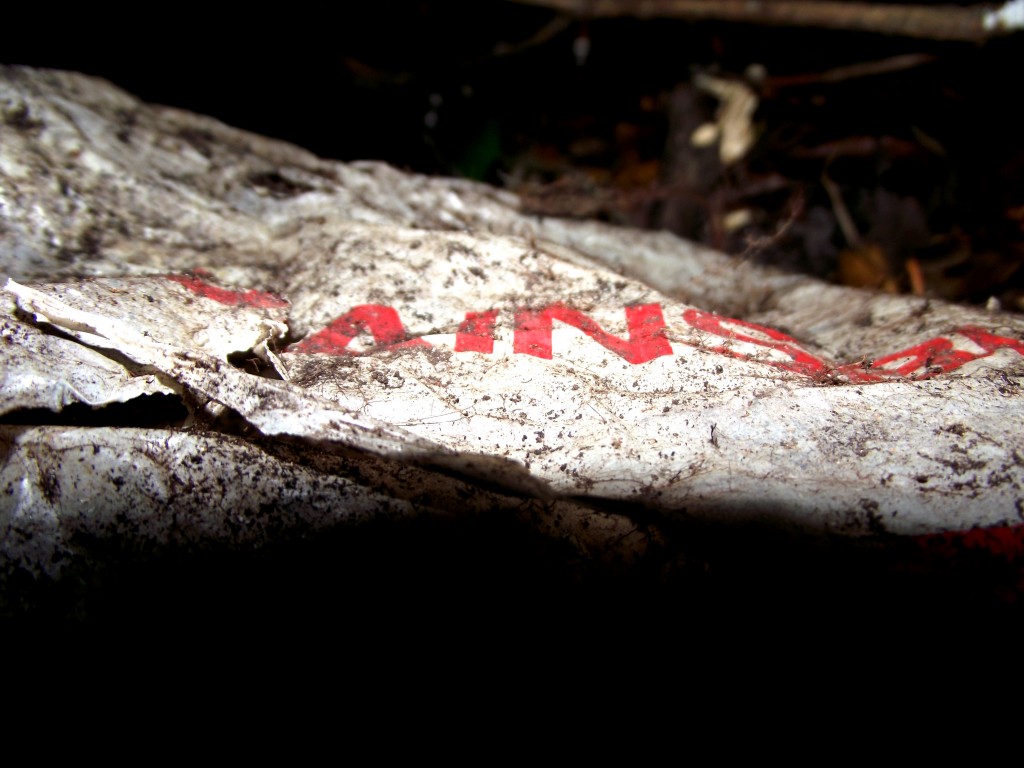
(198, 283)
(325, 424)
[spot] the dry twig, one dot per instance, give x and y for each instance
(945, 22)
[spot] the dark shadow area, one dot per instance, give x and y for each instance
(144, 411)
(442, 584)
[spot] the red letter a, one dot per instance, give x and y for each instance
(382, 322)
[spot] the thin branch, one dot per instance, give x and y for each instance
(938, 22)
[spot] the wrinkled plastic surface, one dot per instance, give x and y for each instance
(422, 336)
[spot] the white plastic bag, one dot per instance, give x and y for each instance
(449, 342)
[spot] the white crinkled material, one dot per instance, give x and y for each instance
(448, 340)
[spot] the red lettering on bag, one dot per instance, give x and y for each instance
(921, 361)
(381, 322)
(990, 342)
(646, 324)
(927, 359)
(476, 332)
(647, 338)
(800, 360)
(200, 287)
(938, 355)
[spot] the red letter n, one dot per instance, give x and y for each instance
(646, 325)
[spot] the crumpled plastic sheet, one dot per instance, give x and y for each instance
(382, 345)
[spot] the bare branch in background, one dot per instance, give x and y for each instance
(974, 23)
